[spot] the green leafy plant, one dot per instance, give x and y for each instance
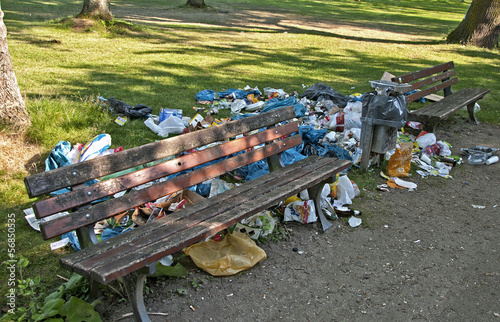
(60, 305)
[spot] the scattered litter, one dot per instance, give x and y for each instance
(480, 155)
(354, 221)
(478, 207)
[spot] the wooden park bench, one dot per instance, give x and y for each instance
(431, 80)
(133, 255)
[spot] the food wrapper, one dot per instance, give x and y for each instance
(301, 211)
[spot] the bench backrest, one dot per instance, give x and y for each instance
(154, 161)
(429, 80)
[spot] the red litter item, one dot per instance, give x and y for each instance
(218, 237)
(118, 149)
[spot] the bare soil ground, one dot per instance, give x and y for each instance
(426, 255)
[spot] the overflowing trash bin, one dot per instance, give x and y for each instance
(383, 112)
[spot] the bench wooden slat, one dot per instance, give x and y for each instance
(258, 199)
(113, 207)
(102, 251)
(102, 189)
(433, 79)
(443, 108)
(45, 182)
(410, 77)
(433, 89)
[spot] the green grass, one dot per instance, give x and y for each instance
(164, 62)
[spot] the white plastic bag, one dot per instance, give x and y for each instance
(345, 190)
(172, 125)
(238, 105)
(352, 120)
(445, 149)
(426, 140)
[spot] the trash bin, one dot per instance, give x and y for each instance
(383, 112)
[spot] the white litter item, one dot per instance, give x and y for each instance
(354, 221)
(255, 106)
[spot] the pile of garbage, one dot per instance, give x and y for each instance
(330, 125)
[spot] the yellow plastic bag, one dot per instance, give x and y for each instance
(235, 253)
(400, 162)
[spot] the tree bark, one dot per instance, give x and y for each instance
(96, 9)
(196, 3)
(12, 109)
(480, 26)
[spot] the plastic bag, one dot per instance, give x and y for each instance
(173, 125)
(400, 162)
(424, 139)
(138, 111)
(94, 148)
(235, 253)
(352, 120)
(345, 190)
(301, 211)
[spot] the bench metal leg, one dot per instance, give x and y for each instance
(134, 286)
(472, 115)
(315, 194)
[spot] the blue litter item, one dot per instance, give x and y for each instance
(205, 95)
(238, 93)
(112, 232)
(310, 135)
(58, 157)
(272, 104)
(330, 150)
(73, 240)
(291, 156)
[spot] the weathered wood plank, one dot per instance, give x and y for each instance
(85, 195)
(221, 202)
(113, 207)
(450, 104)
(433, 79)
(74, 174)
(429, 90)
(261, 200)
(410, 77)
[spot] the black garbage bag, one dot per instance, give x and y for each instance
(138, 111)
(320, 91)
(391, 110)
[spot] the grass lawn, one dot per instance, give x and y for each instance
(161, 54)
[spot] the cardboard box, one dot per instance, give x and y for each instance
(190, 196)
(145, 215)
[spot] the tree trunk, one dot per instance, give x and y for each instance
(12, 109)
(480, 26)
(196, 3)
(96, 9)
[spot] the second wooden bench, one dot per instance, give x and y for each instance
(434, 79)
